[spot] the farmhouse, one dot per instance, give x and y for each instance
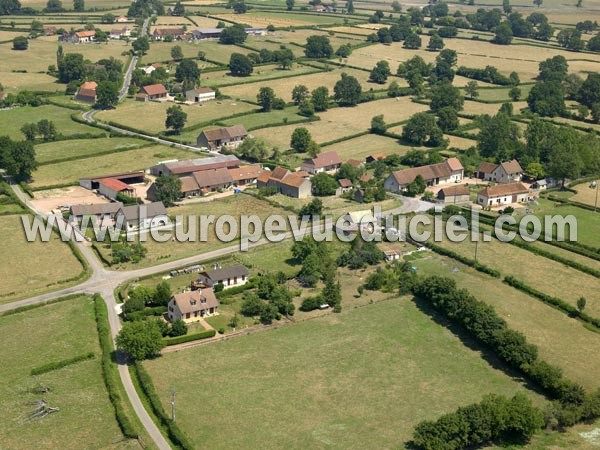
(188, 166)
(449, 171)
(79, 37)
(230, 137)
(454, 194)
(160, 34)
(392, 255)
(503, 194)
(229, 277)
(152, 92)
(87, 92)
(345, 185)
(98, 212)
(375, 157)
(191, 306)
(212, 180)
(49, 30)
(121, 19)
(127, 177)
(323, 162)
(285, 182)
(245, 175)
(140, 217)
(506, 172)
(120, 33)
(200, 95)
(112, 187)
(202, 34)
(151, 68)
(255, 31)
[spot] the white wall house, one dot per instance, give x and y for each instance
(229, 276)
(192, 306)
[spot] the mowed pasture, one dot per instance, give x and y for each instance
(283, 87)
(478, 108)
(562, 341)
(339, 122)
(82, 148)
(282, 19)
(15, 82)
(587, 194)
(32, 268)
(362, 379)
(222, 78)
(138, 159)
(155, 113)
(234, 205)
(53, 333)
(261, 118)
(363, 146)
(300, 36)
(214, 51)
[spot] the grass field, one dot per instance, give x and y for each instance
(382, 380)
(283, 87)
(283, 19)
(15, 82)
(340, 122)
(586, 194)
(235, 205)
(53, 333)
(262, 118)
(137, 159)
(478, 108)
(363, 146)
(13, 119)
(502, 93)
(299, 37)
(155, 113)
(161, 51)
(77, 148)
(561, 340)
(222, 78)
(30, 268)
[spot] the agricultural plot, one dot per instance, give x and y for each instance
(138, 159)
(283, 87)
(562, 341)
(29, 268)
(501, 94)
(297, 369)
(15, 82)
(282, 19)
(161, 51)
(13, 119)
(252, 121)
(586, 194)
(235, 205)
(222, 78)
(477, 108)
(82, 148)
(460, 142)
(155, 113)
(363, 146)
(299, 37)
(54, 333)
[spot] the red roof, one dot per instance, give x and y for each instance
(114, 184)
(89, 85)
(84, 34)
(154, 89)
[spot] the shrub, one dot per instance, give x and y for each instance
(60, 364)
(189, 337)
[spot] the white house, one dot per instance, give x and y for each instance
(504, 173)
(449, 171)
(120, 33)
(229, 276)
(143, 217)
(323, 162)
(503, 194)
(199, 95)
(192, 305)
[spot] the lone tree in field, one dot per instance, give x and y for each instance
(435, 43)
(347, 91)
(380, 72)
(20, 43)
(168, 189)
(233, 35)
(265, 98)
(141, 45)
(301, 140)
(176, 118)
(299, 93)
(176, 53)
(318, 47)
(514, 94)
(378, 124)
(581, 302)
(240, 65)
(142, 340)
(472, 89)
(187, 71)
(289, 4)
(320, 98)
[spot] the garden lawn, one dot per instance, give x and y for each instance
(155, 113)
(142, 158)
(13, 119)
(562, 341)
(32, 268)
(82, 148)
(361, 379)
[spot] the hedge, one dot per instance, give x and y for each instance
(174, 433)
(553, 301)
(189, 337)
(109, 370)
(463, 259)
(60, 364)
(289, 122)
(236, 289)
(21, 309)
(140, 315)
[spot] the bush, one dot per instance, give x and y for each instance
(60, 364)
(189, 337)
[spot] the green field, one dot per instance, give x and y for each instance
(82, 148)
(261, 73)
(12, 120)
(361, 379)
(53, 333)
(31, 268)
(363, 146)
(142, 158)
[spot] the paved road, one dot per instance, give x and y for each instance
(132, 65)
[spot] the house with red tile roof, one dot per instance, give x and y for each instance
(503, 194)
(449, 171)
(505, 172)
(285, 182)
(111, 187)
(152, 92)
(87, 92)
(323, 162)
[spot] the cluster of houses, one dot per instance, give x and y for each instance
(134, 217)
(201, 301)
(200, 34)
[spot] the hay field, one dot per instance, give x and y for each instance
(561, 340)
(299, 37)
(221, 78)
(488, 108)
(52, 151)
(161, 51)
(155, 113)
(282, 19)
(296, 370)
(30, 268)
(460, 142)
(15, 82)
(586, 194)
(283, 87)
(363, 146)
(142, 158)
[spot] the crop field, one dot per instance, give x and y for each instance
(299, 37)
(283, 19)
(283, 87)
(586, 194)
(53, 333)
(15, 82)
(81, 148)
(562, 341)
(161, 51)
(235, 205)
(460, 142)
(138, 159)
(222, 78)
(13, 119)
(155, 113)
(294, 370)
(29, 268)
(363, 146)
